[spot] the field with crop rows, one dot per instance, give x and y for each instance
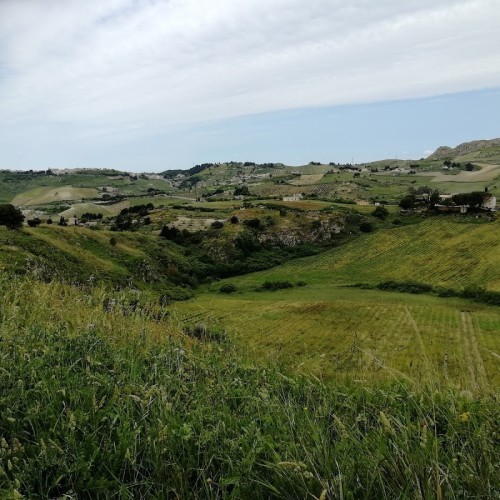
(362, 334)
(439, 251)
(41, 195)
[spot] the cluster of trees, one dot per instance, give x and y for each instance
(90, 216)
(420, 196)
(452, 164)
(241, 191)
(125, 219)
(425, 196)
(474, 200)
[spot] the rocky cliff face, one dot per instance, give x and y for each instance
(306, 230)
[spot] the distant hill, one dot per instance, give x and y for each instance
(473, 150)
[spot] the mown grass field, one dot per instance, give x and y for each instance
(42, 195)
(367, 335)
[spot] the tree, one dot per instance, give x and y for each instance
(241, 191)
(366, 227)
(34, 222)
(10, 216)
(380, 212)
(408, 201)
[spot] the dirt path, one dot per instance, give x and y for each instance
(487, 173)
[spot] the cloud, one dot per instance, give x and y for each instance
(135, 66)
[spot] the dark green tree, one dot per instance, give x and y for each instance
(380, 212)
(10, 216)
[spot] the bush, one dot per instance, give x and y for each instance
(405, 286)
(234, 219)
(366, 227)
(253, 223)
(34, 222)
(275, 285)
(227, 288)
(380, 212)
(217, 224)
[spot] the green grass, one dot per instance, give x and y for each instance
(77, 254)
(372, 336)
(445, 251)
(116, 402)
(42, 195)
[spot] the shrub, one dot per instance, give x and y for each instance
(227, 288)
(10, 216)
(34, 222)
(405, 286)
(366, 227)
(217, 224)
(380, 212)
(275, 285)
(253, 223)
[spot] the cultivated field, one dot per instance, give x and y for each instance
(441, 251)
(365, 335)
(42, 195)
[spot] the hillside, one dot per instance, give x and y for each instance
(481, 150)
(100, 402)
(321, 326)
(440, 251)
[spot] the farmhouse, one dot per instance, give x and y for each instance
(295, 197)
(490, 202)
(457, 209)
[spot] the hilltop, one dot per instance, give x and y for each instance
(484, 150)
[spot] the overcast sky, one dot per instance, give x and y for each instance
(155, 84)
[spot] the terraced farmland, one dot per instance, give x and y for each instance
(362, 334)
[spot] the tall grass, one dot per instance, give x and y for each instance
(103, 401)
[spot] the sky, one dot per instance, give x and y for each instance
(150, 85)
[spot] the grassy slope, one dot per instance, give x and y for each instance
(42, 195)
(372, 335)
(76, 254)
(100, 403)
(440, 251)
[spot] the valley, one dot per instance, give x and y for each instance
(241, 330)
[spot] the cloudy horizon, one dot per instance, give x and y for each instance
(150, 85)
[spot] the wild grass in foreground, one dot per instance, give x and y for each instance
(125, 406)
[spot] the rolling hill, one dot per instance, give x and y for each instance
(487, 151)
(440, 251)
